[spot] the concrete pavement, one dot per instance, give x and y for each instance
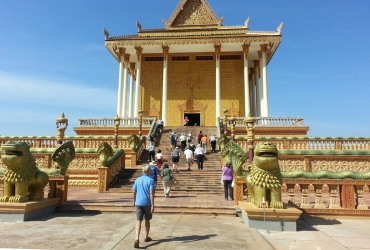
(117, 231)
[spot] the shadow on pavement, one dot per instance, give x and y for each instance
(190, 238)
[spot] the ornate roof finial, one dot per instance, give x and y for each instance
(280, 27)
(247, 22)
(139, 28)
(106, 33)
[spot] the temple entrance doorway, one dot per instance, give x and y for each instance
(194, 118)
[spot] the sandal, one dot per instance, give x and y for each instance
(148, 239)
(136, 245)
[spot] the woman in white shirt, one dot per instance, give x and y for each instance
(159, 159)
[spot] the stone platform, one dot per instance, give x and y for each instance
(270, 218)
(25, 211)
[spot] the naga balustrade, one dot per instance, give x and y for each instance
(108, 174)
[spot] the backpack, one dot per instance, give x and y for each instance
(200, 137)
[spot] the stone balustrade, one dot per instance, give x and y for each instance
(311, 143)
(109, 122)
(107, 174)
(268, 121)
(320, 196)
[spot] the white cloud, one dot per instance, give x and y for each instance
(33, 90)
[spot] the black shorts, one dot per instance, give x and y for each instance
(142, 211)
(175, 159)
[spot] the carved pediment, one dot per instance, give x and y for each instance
(193, 13)
(192, 104)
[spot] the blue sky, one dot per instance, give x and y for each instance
(53, 59)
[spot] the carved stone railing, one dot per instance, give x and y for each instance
(311, 143)
(269, 121)
(107, 175)
(326, 196)
(320, 196)
(109, 122)
(78, 141)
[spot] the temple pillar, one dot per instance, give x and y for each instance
(164, 91)
(139, 52)
(120, 93)
(265, 111)
(218, 80)
(247, 107)
(125, 79)
(131, 94)
(256, 81)
(253, 92)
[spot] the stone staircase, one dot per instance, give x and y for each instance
(194, 184)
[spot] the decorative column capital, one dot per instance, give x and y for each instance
(264, 47)
(256, 63)
(132, 69)
(166, 50)
(251, 70)
(245, 47)
(139, 52)
(217, 50)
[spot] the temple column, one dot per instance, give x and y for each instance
(120, 93)
(265, 106)
(131, 94)
(164, 92)
(250, 77)
(125, 79)
(218, 81)
(246, 80)
(139, 51)
(256, 81)
(253, 92)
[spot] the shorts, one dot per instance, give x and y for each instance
(142, 211)
(175, 159)
(188, 160)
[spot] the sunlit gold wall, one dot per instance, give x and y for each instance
(187, 79)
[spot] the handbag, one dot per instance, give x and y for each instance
(222, 176)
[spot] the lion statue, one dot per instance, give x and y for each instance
(23, 181)
(264, 180)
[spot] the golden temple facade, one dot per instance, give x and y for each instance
(194, 66)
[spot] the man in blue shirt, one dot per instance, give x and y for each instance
(154, 173)
(143, 192)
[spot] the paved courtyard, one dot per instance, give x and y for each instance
(117, 231)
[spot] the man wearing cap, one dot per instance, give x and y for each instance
(175, 159)
(154, 173)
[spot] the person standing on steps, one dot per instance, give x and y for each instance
(227, 177)
(143, 194)
(151, 150)
(159, 159)
(173, 141)
(154, 173)
(186, 121)
(183, 141)
(188, 157)
(199, 154)
(175, 159)
(204, 141)
(192, 148)
(213, 140)
(199, 137)
(167, 179)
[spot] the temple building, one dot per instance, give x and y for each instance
(194, 66)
